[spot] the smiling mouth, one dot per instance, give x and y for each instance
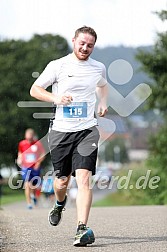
(84, 53)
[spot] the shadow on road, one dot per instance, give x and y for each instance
(114, 240)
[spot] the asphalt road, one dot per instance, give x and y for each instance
(125, 229)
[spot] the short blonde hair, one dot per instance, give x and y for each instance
(86, 29)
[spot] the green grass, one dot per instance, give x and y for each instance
(8, 199)
(11, 196)
(114, 199)
(120, 199)
(128, 197)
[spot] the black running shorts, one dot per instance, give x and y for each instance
(73, 150)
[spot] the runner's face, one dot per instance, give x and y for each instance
(83, 45)
(29, 135)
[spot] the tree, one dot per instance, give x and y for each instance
(155, 65)
(18, 60)
(116, 151)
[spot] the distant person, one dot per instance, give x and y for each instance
(48, 189)
(30, 155)
(73, 190)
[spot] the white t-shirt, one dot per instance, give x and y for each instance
(79, 79)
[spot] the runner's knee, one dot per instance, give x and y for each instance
(61, 183)
(83, 178)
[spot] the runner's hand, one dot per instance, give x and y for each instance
(102, 109)
(63, 99)
(36, 165)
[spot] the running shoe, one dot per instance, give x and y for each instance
(56, 213)
(34, 199)
(84, 236)
(29, 206)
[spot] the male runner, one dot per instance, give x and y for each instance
(30, 155)
(74, 137)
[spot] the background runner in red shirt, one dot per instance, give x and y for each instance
(30, 155)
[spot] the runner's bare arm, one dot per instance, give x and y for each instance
(102, 94)
(43, 95)
(19, 158)
(40, 160)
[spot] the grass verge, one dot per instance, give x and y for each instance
(114, 199)
(133, 194)
(11, 196)
(8, 199)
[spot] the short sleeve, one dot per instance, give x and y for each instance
(103, 81)
(20, 147)
(48, 76)
(41, 148)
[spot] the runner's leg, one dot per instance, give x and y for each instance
(60, 187)
(84, 195)
(27, 186)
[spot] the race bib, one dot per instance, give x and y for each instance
(30, 158)
(75, 110)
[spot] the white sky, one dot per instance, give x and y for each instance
(117, 22)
